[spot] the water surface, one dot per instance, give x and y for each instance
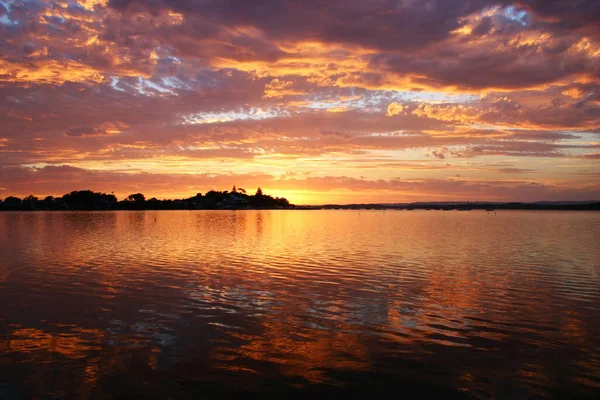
(172, 304)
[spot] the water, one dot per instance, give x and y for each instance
(192, 304)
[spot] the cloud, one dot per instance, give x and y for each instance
(278, 88)
(395, 109)
(455, 113)
(342, 88)
(107, 128)
(592, 156)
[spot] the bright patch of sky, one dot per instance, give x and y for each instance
(145, 87)
(388, 134)
(436, 97)
(378, 101)
(174, 83)
(4, 19)
(115, 84)
(584, 137)
(230, 116)
(514, 14)
(162, 85)
(337, 104)
(403, 154)
(145, 83)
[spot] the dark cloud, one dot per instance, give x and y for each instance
(510, 68)
(86, 131)
(382, 25)
(568, 15)
(484, 27)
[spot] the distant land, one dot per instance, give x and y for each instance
(465, 206)
(238, 199)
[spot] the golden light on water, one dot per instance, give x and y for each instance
(298, 300)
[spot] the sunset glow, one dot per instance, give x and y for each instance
(317, 101)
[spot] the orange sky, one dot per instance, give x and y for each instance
(320, 102)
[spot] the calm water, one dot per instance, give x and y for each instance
(191, 304)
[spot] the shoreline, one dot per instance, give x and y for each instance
(487, 207)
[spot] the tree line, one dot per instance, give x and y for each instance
(90, 200)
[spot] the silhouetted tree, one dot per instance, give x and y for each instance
(48, 203)
(211, 199)
(81, 199)
(11, 202)
(29, 202)
(136, 197)
(88, 200)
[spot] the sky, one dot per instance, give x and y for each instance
(318, 101)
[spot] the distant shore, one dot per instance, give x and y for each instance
(87, 200)
(239, 199)
(179, 205)
(458, 206)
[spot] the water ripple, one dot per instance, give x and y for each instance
(502, 307)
